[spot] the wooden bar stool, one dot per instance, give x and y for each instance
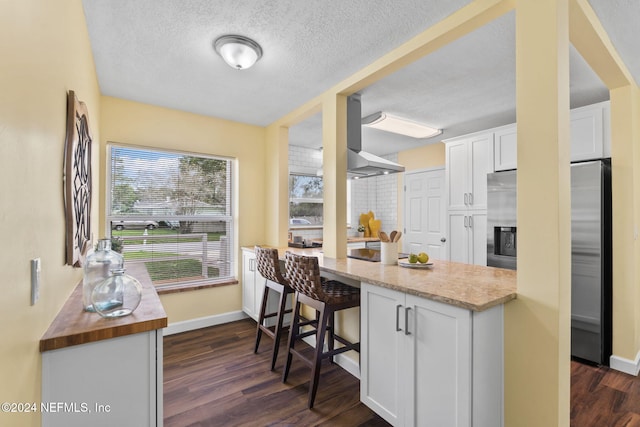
(268, 266)
(326, 297)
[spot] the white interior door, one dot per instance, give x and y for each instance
(425, 213)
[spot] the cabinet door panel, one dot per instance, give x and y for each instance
(481, 163)
(248, 284)
(478, 237)
(441, 359)
(457, 174)
(380, 354)
(586, 134)
(505, 149)
(458, 237)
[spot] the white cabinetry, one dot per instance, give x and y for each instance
(468, 237)
(252, 285)
(426, 363)
(468, 161)
(505, 148)
(590, 137)
(99, 382)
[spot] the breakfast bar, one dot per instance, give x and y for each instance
(431, 338)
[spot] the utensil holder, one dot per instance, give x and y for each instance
(389, 253)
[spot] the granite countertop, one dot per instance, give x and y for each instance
(473, 287)
(73, 325)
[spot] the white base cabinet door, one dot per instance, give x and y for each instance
(252, 285)
(468, 237)
(426, 363)
(113, 382)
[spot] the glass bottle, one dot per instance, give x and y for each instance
(97, 267)
(118, 295)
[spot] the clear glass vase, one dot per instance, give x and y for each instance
(118, 295)
(97, 268)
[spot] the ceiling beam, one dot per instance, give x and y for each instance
(590, 39)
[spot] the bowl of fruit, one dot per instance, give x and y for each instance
(420, 260)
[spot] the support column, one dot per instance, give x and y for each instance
(334, 170)
(625, 181)
(537, 324)
(276, 213)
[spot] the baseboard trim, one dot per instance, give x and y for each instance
(631, 367)
(203, 322)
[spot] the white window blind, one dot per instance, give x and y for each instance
(170, 215)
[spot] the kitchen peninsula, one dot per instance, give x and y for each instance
(431, 339)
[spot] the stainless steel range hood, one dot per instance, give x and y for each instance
(361, 164)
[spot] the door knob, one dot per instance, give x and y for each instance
(443, 239)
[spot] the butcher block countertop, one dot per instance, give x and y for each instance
(73, 325)
(473, 287)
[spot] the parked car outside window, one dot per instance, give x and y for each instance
(132, 224)
(299, 221)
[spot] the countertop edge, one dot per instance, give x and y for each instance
(503, 296)
(74, 326)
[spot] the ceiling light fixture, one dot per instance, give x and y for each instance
(238, 51)
(394, 124)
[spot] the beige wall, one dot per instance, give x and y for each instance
(45, 52)
(133, 123)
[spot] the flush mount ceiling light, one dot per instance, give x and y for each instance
(238, 51)
(394, 124)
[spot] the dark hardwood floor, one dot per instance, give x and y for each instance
(603, 397)
(212, 378)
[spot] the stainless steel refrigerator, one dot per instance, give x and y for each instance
(590, 250)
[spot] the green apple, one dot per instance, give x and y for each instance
(413, 258)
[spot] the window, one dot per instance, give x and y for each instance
(170, 215)
(305, 200)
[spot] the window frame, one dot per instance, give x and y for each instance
(227, 218)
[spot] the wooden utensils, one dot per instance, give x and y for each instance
(394, 237)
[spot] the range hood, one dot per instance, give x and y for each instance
(361, 164)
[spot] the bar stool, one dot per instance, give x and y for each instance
(326, 297)
(268, 266)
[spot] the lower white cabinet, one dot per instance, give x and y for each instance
(112, 382)
(426, 363)
(252, 285)
(468, 237)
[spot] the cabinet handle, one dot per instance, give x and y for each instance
(470, 222)
(398, 317)
(471, 198)
(466, 198)
(406, 321)
(466, 221)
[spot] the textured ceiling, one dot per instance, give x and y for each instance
(160, 52)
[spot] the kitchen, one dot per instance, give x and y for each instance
(121, 120)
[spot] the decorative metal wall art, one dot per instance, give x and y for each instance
(77, 181)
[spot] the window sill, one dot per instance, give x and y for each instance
(172, 289)
(305, 227)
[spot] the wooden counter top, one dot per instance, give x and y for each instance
(73, 325)
(473, 287)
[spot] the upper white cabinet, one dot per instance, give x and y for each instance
(587, 135)
(505, 148)
(468, 160)
(590, 137)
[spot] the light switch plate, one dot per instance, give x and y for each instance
(35, 280)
